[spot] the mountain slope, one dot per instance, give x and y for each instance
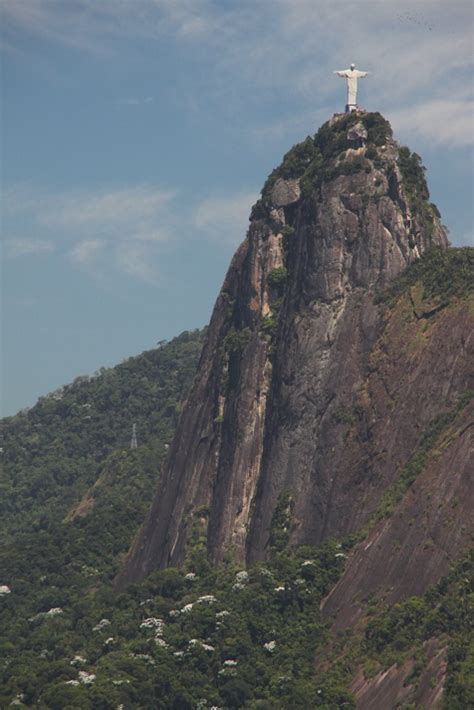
(286, 401)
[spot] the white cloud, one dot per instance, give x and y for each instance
(90, 26)
(153, 235)
(225, 218)
(136, 211)
(17, 246)
(122, 228)
(133, 101)
(72, 27)
(85, 252)
(438, 121)
(135, 260)
(108, 211)
(190, 18)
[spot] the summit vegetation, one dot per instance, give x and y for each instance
(311, 161)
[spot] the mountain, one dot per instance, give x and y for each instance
(312, 389)
(308, 540)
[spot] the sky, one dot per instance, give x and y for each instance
(136, 135)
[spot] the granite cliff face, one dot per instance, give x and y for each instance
(311, 393)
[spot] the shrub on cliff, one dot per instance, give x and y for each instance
(278, 277)
(302, 157)
(443, 273)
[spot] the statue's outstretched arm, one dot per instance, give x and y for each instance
(341, 73)
(361, 74)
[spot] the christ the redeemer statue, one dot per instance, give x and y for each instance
(351, 75)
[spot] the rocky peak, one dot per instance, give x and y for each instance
(287, 355)
(363, 199)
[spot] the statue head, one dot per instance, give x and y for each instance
(353, 66)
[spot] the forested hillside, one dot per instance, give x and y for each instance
(54, 451)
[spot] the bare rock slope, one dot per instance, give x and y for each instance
(312, 388)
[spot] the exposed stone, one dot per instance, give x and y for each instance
(285, 192)
(390, 686)
(419, 554)
(358, 133)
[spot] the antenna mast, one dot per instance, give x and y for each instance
(134, 442)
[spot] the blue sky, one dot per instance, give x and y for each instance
(136, 134)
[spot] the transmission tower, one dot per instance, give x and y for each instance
(134, 442)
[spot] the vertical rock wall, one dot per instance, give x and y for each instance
(287, 360)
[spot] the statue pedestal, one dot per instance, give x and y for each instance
(351, 107)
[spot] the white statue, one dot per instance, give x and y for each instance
(351, 75)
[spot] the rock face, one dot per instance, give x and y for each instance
(285, 192)
(415, 546)
(391, 686)
(307, 386)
